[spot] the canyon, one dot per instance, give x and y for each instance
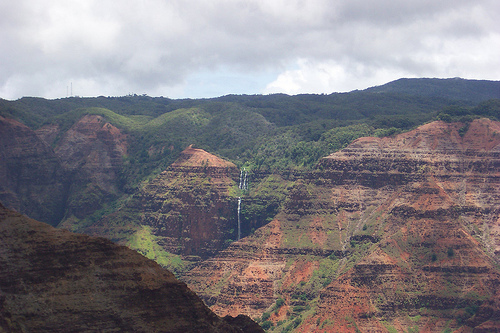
(389, 233)
(396, 230)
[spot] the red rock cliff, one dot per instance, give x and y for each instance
(32, 179)
(188, 207)
(388, 234)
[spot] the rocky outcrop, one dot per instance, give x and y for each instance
(189, 205)
(188, 208)
(54, 281)
(388, 234)
(32, 179)
(466, 167)
(92, 151)
(70, 181)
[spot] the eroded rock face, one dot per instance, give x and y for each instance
(389, 233)
(72, 180)
(92, 151)
(54, 281)
(32, 179)
(466, 169)
(188, 207)
(427, 267)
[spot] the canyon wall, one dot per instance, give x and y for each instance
(188, 210)
(32, 178)
(188, 213)
(54, 175)
(92, 152)
(388, 234)
(397, 233)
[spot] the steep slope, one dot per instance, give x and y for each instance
(32, 179)
(92, 151)
(389, 233)
(70, 181)
(54, 281)
(427, 274)
(188, 210)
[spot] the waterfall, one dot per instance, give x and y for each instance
(243, 180)
(239, 220)
(243, 185)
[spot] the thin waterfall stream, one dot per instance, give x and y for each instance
(243, 185)
(243, 180)
(239, 220)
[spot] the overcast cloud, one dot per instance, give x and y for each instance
(208, 48)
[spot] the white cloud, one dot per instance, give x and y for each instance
(155, 46)
(328, 77)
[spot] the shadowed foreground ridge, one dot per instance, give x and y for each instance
(55, 281)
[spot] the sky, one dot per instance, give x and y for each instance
(210, 48)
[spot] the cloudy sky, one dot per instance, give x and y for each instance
(208, 48)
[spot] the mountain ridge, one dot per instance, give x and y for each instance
(477, 90)
(56, 281)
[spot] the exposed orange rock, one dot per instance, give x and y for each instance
(242, 278)
(404, 232)
(300, 271)
(194, 157)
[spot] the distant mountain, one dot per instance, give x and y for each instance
(456, 88)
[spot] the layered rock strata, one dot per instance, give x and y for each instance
(388, 234)
(188, 208)
(54, 281)
(92, 151)
(32, 179)
(53, 175)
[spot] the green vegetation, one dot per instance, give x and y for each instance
(144, 242)
(389, 327)
(265, 131)
(267, 325)
(261, 132)
(263, 201)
